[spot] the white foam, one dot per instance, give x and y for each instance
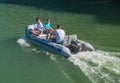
(22, 42)
(98, 65)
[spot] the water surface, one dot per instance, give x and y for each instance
(23, 62)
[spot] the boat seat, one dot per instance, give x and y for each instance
(42, 36)
(68, 39)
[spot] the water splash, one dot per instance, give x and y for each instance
(23, 42)
(99, 66)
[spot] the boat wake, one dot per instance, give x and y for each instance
(98, 66)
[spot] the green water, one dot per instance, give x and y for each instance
(97, 24)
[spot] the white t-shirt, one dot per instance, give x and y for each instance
(59, 35)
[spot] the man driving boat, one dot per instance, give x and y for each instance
(59, 34)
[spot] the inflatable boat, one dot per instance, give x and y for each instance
(71, 44)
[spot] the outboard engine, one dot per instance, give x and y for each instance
(75, 46)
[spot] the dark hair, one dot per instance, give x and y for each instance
(37, 18)
(47, 19)
(58, 26)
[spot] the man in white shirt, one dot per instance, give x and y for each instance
(59, 35)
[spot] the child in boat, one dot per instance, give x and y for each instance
(47, 28)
